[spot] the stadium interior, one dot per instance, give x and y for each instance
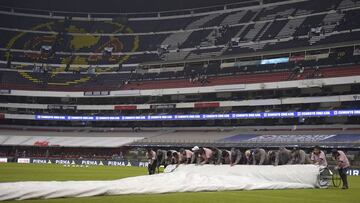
(78, 83)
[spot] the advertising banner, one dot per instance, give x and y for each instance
(316, 56)
(125, 107)
(3, 160)
(353, 172)
(303, 114)
(88, 162)
(206, 105)
(275, 60)
(162, 106)
(297, 58)
(61, 107)
(97, 93)
(23, 160)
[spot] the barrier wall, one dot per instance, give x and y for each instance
(253, 102)
(197, 90)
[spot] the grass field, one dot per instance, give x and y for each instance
(27, 172)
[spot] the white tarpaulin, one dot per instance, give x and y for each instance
(185, 178)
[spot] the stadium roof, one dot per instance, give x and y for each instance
(117, 6)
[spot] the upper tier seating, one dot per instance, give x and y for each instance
(40, 46)
(179, 38)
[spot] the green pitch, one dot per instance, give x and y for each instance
(27, 172)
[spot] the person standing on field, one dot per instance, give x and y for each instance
(152, 161)
(161, 158)
(342, 166)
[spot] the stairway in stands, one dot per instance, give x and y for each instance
(27, 76)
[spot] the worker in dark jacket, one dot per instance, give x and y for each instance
(283, 156)
(152, 161)
(280, 157)
(236, 156)
(161, 158)
(217, 156)
(298, 156)
(260, 157)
